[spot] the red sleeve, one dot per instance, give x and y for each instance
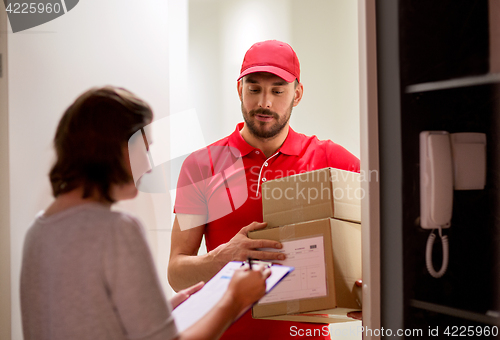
(191, 186)
(212, 183)
(338, 157)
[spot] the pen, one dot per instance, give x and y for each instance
(250, 262)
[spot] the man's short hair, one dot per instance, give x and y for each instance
(90, 140)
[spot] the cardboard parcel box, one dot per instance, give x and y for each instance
(341, 265)
(312, 195)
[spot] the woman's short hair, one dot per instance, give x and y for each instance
(90, 140)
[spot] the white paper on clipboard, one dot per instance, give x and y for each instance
(200, 303)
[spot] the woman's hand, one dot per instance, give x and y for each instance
(182, 295)
(248, 285)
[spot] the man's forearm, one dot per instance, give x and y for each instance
(187, 270)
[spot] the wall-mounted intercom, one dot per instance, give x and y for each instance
(447, 162)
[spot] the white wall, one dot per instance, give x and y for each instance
(322, 32)
(220, 32)
(114, 42)
(325, 37)
(4, 189)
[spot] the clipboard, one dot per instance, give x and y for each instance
(201, 302)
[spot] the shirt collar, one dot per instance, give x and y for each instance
(236, 141)
(291, 146)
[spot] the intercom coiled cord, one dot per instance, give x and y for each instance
(428, 254)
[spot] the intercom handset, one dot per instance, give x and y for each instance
(447, 162)
(436, 179)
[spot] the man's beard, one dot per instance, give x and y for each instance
(253, 125)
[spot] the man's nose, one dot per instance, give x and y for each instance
(265, 101)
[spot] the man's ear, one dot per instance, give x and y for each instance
(299, 91)
(239, 85)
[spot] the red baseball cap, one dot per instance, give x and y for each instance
(272, 56)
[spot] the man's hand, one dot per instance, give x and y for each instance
(187, 268)
(355, 315)
(184, 294)
(240, 247)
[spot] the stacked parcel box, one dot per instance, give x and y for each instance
(317, 217)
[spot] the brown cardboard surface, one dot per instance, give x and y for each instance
(294, 232)
(320, 316)
(346, 247)
(312, 195)
(343, 269)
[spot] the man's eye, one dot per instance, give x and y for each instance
(278, 92)
(253, 90)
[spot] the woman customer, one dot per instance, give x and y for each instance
(87, 271)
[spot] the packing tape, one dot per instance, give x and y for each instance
(287, 233)
(298, 214)
(293, 307)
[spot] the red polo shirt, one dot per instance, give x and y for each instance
(211, 183)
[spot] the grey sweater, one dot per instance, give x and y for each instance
(87, 273)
